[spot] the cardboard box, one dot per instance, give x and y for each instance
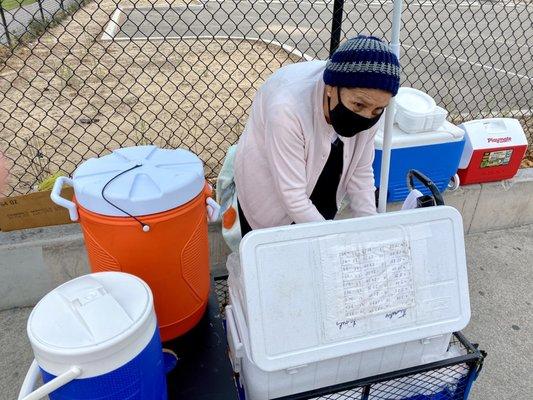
(33, 210)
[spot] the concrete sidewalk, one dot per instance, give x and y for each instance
(500, 278)
(501, 283)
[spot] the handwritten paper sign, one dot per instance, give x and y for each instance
(364, 280)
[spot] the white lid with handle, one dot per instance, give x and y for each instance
(97, 322)
(140, 180)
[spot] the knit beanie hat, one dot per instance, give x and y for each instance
(365, 62)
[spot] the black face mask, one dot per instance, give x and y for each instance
(346, 122)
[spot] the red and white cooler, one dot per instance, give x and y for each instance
(493, 150)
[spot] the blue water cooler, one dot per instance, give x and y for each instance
(436, 153)
(96, 337)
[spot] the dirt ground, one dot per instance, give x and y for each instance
(527, 162)
(527, 123)
(72, 96)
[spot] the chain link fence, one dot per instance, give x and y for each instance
(79, 78)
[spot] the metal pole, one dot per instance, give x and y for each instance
(5, 24)
(41, 10)
(389, 114)
(336, 25)
(366, 392)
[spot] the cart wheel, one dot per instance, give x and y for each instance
(453, 185)
(170, 360)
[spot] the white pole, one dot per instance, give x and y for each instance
(389, 113)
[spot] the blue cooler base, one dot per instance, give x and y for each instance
(438, 162)
(143, 378)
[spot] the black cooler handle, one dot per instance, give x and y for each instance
(437, 196)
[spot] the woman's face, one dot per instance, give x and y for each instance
(365, 102)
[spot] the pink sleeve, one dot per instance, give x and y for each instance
(285, 151)
(361, 184)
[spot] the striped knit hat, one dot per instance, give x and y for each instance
(365, 62)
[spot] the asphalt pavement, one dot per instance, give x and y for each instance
(474, 55)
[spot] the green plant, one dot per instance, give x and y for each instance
(67, 75)
(140, 129)
(48, 182)
(11, 4)
(37, 27)
(35, 159)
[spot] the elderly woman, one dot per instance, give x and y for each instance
(309, 140)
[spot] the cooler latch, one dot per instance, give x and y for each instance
(295, 370)
(429, 339)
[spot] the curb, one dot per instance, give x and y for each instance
(492, 206)
(35, 261)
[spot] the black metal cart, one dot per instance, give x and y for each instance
(449, 379)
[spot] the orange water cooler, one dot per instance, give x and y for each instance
(144, 210)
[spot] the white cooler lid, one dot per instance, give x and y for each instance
(446, 133)
(304, 302)
(165, 179)
(95, 321)
(494, 132)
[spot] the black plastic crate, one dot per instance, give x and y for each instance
(449, 379)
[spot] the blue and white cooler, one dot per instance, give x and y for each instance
(96, 337)
(422, 139)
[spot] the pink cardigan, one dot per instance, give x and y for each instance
(284, 148)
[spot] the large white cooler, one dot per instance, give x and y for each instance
(318, 304)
